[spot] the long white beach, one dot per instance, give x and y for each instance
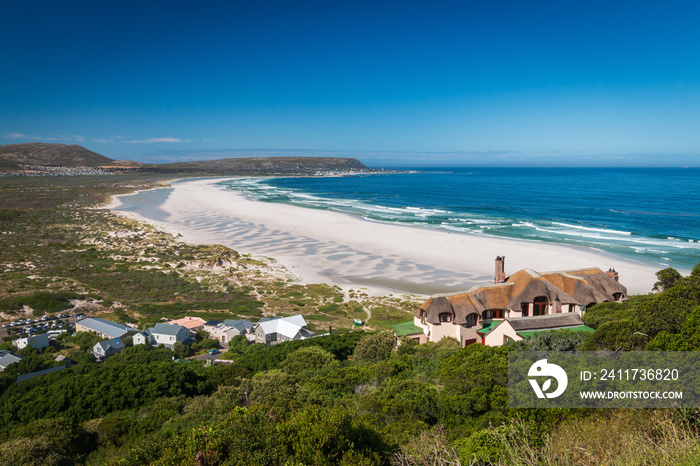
(326, 247)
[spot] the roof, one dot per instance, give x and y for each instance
(240, 324)
(105, 327)
(166, 329)
(9, 358)
(549, 322)
(22, 378)
(580, 286)
(189, 322)
(115, 343)
(488, 326)
(407, 328)
(286, 326)
(581, 328)
(212, 323)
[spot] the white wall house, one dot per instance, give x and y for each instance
(37, 341)
(162, 334)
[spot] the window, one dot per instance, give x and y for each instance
(494, 314)
(539, 307)
(506, 339)
(422, 316)
(469, 342)
(268, 337)
(445, 317)
(525, 308)
(472, 319)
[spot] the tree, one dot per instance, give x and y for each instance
(311, 357)
(182, 350)
(375, 347)
(667, 278)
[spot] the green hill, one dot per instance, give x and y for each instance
(51, 155)
(15, 157)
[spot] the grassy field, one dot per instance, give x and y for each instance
(58, 249)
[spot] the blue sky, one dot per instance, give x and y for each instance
(392, 83)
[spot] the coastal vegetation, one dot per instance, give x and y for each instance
(352, 397)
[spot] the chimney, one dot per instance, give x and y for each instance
(613, 274)
(500, 275)
(557, 305)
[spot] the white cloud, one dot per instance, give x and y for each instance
(17, 136)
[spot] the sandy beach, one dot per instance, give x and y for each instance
(319, 246)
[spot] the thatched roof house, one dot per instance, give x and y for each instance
(526, 294)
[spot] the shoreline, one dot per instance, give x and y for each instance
(320, 246)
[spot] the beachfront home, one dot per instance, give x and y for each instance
(104, 349)
(162, 334)
(7, 358)
(279, 329)
(104, 328)
(37, 341)
(229, 328)
(520, 299)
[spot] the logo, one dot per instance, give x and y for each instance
(543, 369)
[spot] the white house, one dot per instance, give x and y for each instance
(104, 328)
(37, 341)
(162, 334)
(103, 349)
(280, 329)
(229, 328)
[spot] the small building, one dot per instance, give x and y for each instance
(104, 328)
(520, 328)
(104, 349)
(410, 330)
(162, 334)
(190, 323)
(7, 358)
(37, 341)
(65, 360)
(229, 328)
(271, 331)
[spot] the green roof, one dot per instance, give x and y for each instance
(407, 328)
(580, 328)
(488, 327)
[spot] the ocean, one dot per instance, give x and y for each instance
(648, 215)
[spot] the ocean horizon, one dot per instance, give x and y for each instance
(647, 215)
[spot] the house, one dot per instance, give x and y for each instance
(7, 358)
(229, 328)
(37, 341)
(519, 328)
(162, 334)
(65, 360)
(190, 323)
(104, 328)
(104, 349)
(471, 316)
(279, 329)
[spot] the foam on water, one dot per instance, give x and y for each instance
(466, 202)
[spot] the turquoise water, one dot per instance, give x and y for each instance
(648, 215)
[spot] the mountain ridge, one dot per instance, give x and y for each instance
(32, 156)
